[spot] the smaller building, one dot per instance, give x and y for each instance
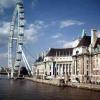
(56, 63)
(39, 67)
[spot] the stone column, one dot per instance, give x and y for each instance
(90, 68)
(61, 70)
(75, 66)
(44, 71)
(58, 70)
(52, 70)
(65, 74)
(65, 69)
(68, 69)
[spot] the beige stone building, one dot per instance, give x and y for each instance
(86, 59)
(81, 60)
(78, 64)
(95, 62)
(56, 63)
(39, 68)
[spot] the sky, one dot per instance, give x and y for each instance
(49, 24)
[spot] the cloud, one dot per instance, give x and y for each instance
(67, 23)
(61, 41)
(56, 36)
(1, 11)
(3, 55)
(3, 59)
(32, 31)
(4, 30)
(6, 4)
(4, 27)
(10, 3)
(71, 44)
(66, 44)
(34, 2)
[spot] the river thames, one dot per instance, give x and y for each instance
(28, 90)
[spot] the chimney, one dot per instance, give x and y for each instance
(93, 37)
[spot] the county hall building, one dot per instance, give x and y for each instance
(77, 64)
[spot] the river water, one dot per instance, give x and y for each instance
(28, 90)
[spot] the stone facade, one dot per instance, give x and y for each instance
(86, 59)
(95, 73)
(56, 63)
(78, 64)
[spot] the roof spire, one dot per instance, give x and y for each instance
(83, 33)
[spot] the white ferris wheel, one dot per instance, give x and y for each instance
(15, 42)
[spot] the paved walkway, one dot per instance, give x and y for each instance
(85, 86)
(59, 83)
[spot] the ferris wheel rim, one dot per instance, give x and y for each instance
(18, 12)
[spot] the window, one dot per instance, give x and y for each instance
(60, 65)
(57, 53)
(69, 68)
(66, 68)
(63, 68)
(50, 73)
(64, 53)
(67, 53)
(45, 73)
(87, 66)
(87, 61)
(50, 67)
(70, 53)
(87, 73)
(77, 52)
(61, 53)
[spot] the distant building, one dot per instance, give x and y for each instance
(39, 67)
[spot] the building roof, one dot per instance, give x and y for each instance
(97, 42)
(55, 51)
(85, 41)
(40, 59)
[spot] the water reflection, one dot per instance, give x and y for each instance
(27, 90)
(3, 76)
